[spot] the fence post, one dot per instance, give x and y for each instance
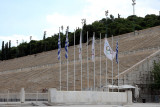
(37, 97)
(22, 95)
(129, 97)
(8, 96)
(52, 95)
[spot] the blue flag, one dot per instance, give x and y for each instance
(59, 46)
(117, 52)
(66, 45)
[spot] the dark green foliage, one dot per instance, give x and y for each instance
(9, 50)
(44, 35)
(113, 26)
(6, 51)
(2, 52)
(156, 76)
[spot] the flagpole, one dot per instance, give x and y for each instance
(67, 71)
(100, 62)
(67, 60)
(117, 48)
(60, 68)
(74, 61)
(60, 63)
(112, 64)
(80, 54)
(106, 71)
(83, 22)
(81, 60)
(118, 75)
(106, 14)
(87, 64)
(94, 60)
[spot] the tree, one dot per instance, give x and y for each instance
(112, 17)
(113, 26)
(44, 36)
(156, 75)
(119, 16)
(2, 51)
(6, 51)
(9, 49)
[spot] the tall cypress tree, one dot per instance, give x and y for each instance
(6, 51)
(2, 51)
(44, 36)
(9, 50)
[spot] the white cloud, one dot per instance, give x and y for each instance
(95, 10)
(57, 20)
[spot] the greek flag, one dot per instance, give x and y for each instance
(59, 46)
(117, 52)
(66, 45)
(93, 50)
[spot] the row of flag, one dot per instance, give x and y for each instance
(110, 54)
(66, 45)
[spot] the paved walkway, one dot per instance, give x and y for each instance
(41, 104)
(133, 105)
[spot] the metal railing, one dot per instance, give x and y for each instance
(9, 97)
(36, 96)
(15, 97)
(138, 63)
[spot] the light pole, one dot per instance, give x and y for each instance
(44, 40)
(133, 4)
(30, 44)
(17, 48)
(83, 23)
(62, 29)
(106, 14)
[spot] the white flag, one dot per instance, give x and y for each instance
(93, 50)
(80, 47)
(110, 54)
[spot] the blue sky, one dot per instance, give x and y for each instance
(20, 19)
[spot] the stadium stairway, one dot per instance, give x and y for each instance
(39, 71)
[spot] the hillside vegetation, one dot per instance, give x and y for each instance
(115, 26)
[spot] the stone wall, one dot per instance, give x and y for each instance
(141, 76)
(89, 97)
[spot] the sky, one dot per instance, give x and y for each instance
(20, 19)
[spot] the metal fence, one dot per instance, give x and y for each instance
(36, 96)
(16, 97)
(10, 97)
